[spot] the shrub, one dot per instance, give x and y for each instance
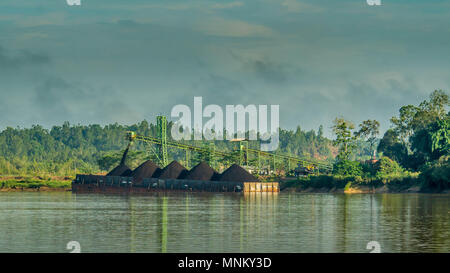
(435, 175)
(323, 181)
(348, 168)
(386, 167)
(347, 186)
(369, 169)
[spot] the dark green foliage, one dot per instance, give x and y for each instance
(70, 149)
(440, 137)
(435, 175)
(64, 150)
(369, 129)
(423, 130)
(386, 167)
(400, 183)
(344, 139)
(332, 181)
(368, 170)
(305, 144)
(323, 181)
(348, 168)
(108, 160)
(391, 147)
(432, 142)
(420, 135)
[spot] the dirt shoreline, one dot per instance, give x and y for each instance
(360, 190)
(352, 190)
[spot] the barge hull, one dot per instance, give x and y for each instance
(118, 184)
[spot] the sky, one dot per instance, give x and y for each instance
(110, 61)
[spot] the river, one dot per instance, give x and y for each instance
(205, 222)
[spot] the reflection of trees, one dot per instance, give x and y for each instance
(342, 235)
(418, 222)
(164, 225)
(256, 222)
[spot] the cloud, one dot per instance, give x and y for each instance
(264, 68)
(50, 18)
(57, 98)
(292, 5)
(231, 28)
(317, 60)
(218, 88)
(227, 5)
(268, 71)
(295, 6)
(24, 58)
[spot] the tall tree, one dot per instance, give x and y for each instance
(423, 129)
(320, 133)
(403, 124)
(369, 129)
(433, 141)
(415, 118)
(391, 146)
(344, 139)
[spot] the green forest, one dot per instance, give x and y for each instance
(416, 144)
(414, 151)
(69, 149)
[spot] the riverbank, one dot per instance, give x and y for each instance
(335, 184)
(355, 189)
(35, 183)
(312, 184)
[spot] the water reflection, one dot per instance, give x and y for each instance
(202, 222)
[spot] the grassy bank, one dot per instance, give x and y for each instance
(383, 176)
(355, 184)
(31, 183)
(320, 183)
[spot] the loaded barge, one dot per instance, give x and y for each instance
(117, 184)
(148, 177)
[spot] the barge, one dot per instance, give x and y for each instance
(119, 184)
(148, 177)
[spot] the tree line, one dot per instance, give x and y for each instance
(69, 149)
(418, 141)
(419, 137)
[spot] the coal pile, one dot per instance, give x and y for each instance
(200, 172)
(216, 177)
(127, 173)
(237, 174)
(145, 170)
(121, 170)
(172, 171)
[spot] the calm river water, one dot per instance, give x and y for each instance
(195, 222)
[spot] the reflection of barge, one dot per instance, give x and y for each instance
(150, 178)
